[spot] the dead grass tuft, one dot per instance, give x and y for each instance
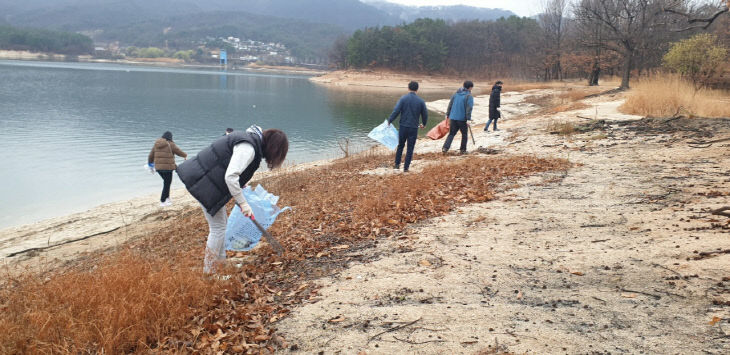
(572, 106)
(127, 303)
(561, 127)
(667, 95)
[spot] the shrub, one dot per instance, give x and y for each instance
(697, 58)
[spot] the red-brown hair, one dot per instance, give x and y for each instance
(275, 147)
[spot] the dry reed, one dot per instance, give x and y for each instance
(126, 303)
(667, 95)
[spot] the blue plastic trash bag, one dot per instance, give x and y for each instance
(150, 168)
(385, 134)
(241, 233)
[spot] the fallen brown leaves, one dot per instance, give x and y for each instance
(155, 297)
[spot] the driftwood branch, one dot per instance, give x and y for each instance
(705, 144)
(709, 254)
(393, 329)
(643, 293)
(59, 244)
(722, 211)
(418, 342)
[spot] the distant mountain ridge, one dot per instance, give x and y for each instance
(453, 13)
(87, 15)
(309, 27)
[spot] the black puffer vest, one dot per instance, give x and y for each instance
(204, 175)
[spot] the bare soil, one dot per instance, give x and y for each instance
(605, 257)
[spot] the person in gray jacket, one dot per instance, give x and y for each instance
(220, 172)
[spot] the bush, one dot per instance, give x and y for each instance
(697, 58)
(151, 52)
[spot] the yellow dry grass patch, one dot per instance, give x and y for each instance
(667, 95)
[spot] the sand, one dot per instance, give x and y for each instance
(590, 260)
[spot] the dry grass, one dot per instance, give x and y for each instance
(571, 106)
(667, 95)
(125, 304)
(567, 99)
(524, 86)
(572, 94)
(158, 299)
(561, 127)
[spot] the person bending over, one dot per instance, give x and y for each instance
(220, 172)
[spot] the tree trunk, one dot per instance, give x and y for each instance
(626, 72)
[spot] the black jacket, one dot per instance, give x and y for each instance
(204, 175)
(494, 102)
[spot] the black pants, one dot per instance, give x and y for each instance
(456, 126)
(406, 134)
(166, 181)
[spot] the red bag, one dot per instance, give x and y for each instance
(441, 130)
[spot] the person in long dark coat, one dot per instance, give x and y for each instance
(494, 104)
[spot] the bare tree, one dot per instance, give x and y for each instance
(553, 22)
(624, 24)
(693, 15)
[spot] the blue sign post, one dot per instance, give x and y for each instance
(224, 57)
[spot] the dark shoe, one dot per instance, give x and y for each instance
(405, 170)
(396, 167)
(486, 130)
(462, 152)
(444, 151)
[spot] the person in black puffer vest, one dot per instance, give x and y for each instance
(220, 172)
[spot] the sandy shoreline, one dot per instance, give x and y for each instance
(385, 80)
(617, 254)
(151, 62)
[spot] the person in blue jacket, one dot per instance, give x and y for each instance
(409, 107)
(459, 114)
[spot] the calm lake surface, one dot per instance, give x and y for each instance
(76, 135)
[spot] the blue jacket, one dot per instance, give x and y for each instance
(409, 107)
(460, 106)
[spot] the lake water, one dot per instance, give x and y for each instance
(76, 135)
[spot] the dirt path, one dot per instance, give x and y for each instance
(596, 259)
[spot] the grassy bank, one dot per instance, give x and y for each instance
(668, 95)
(153, 295)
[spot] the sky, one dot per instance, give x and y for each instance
(520, 7)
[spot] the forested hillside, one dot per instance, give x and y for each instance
(307, 27)
(304, 39)
(586, 38)
(39, 40)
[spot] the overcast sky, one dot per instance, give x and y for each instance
(520, 7)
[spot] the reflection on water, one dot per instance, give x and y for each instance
(77, 135)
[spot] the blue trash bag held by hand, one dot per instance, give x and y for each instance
(241, 233)
(385, 134)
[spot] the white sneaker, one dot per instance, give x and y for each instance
(168, 202)
(163, 204)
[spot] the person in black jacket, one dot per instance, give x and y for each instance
(220, 171)
(494, 113)
(410, 107)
